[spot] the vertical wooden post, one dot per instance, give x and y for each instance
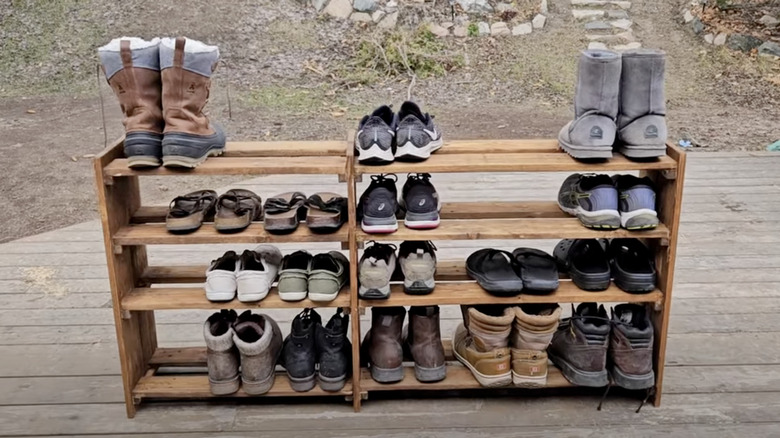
(136, 335)
(353, 269)
(669, 206)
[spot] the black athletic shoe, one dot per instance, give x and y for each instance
(420, 202)
(417, 137)
(378, 205)
(375, 139)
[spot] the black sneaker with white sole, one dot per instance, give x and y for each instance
(375, 138)
(420, 202)
(378, 205)
(416, 135)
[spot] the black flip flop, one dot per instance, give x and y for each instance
(586, 261)
(494, 270)
(632, 265)
(537, 269)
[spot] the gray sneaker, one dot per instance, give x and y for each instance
(416, 134)
(592, 198)
(637, 202)
(375, 269)
(418, 263)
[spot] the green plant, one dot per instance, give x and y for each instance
(473, 30)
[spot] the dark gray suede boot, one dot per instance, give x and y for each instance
(299, 353)
(334, 352)
(592, 132)
(642, 119)
(221, 353)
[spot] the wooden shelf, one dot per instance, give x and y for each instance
(472, 293)
(146, 298)
(512, 156)
(523, 228)
(156, 234)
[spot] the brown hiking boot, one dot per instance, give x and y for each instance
(532, 331)
(489, 325)
(579, 347)
(221, 353)
(490, 368)
(259, 341)
(186, 67)
(423, 341)
(382, 346)
(132, 68)
(631, 347)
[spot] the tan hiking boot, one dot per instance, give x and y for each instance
(490, 326)
(132, 68)
(491, 368)
(532, 331)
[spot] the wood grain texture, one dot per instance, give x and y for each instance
(197, 386)
(322, 165)
(195, 298)
(157, 234)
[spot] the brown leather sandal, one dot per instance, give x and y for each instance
(326, 212)
(187, 213)
(236, 209)
(284, 212)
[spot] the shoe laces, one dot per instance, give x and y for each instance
(419, 177)
(379, 250)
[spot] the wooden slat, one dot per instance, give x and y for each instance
(179, 357)
(472, 293)
(239, 166)
(285, 149)
(498, 146)
(156, 234)
(197, 386)
(524, 228)
(145, 298)
(488, 161)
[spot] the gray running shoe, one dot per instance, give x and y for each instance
(375, 139)
(378, 205)
(592, 198)
(420, 202)
(416, 135)
(637, 202)
(418, 263)
(375, 269)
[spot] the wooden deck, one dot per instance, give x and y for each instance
(59, 371)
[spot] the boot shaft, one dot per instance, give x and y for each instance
(642, 85)
(334, 351)
(299, 352)
(583, 339)
(383, 343)
(186, 68)
(259, 342)
(222, 357)
(534, 326)
(424, 336)
(598, 83)
(631, 339)
(489, 326)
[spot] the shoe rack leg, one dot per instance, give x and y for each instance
(669, 201)
(136, 335)
(353, 277)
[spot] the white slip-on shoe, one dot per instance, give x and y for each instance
(221, 278)
(256, 272)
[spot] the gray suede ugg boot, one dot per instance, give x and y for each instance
(221, 353)
(642, 118)
(592, 132)
(259, 341)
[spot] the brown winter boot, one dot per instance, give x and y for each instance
(532, 331)
(631, 347)
(186, 67)
(423, 341)
(132, 68)
(259, 341)
(221, 353)
(579, 346)
(382, 346)
(481, 343)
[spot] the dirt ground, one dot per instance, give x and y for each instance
(292, 76)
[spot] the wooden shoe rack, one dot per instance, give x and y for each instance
(128, 226)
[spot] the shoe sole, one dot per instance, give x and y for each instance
(593, 379)
(302, 384)
(332, 384)
(504, 289)
(585, 152)
(643, 151)
(387, 375)
(220, 296)
(409, 151)
(642, 219)
(419, 287)
(429, 375)
(590, 282)
(374, 293)
(529, 382)
(422, 225)
(379, 229)
(600, 219)
(634, 285)
(225, 387)
(292, 296)
(258, 388)
(632, 381)
(483, 379)
(189, 162)
(322, 297)
(374, 154)
(141, 161)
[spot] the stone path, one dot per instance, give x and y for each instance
(607, 23)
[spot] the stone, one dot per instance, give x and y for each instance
(697, 26)
(503, 7)
(448, 25)
(439, 31)
(475, 6)
(597, 25)
(391, 6)
(319, 4)
(602, 3)
(769, 21)
(709, 38)
(597, 46)
(617, 14)
(629, 46)
(484, 28)
(687, 16)
(361, 17)
(499, 29)
(543, 8)
(522, 29)
(389, 21)
(622, 24)
(339, 8)
(460, 31)
(742, 42)
(621, 38)
(769, 49)
(538, 21)
(378, 15)
(720, 39)
(587, 14)
(364, 5)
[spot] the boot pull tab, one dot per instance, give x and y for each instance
(126, 54)
(178, 54)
